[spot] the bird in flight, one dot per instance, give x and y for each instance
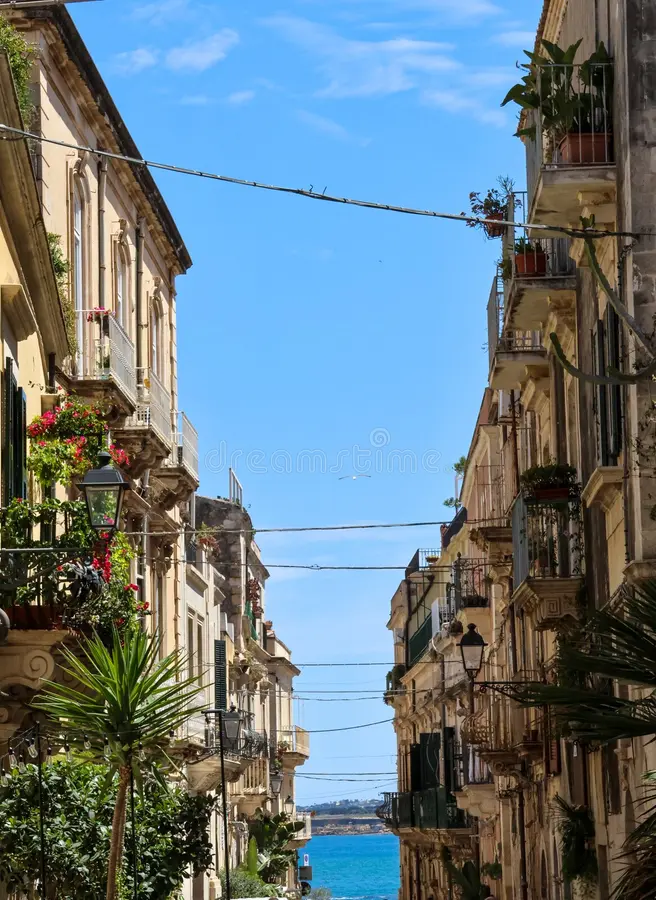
(353, 477)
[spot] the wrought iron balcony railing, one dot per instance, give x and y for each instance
(250, 743)
(423, 559)
(104, 350)
(547, 539)
(493, 501)
(530, 255)
(185, 445)
(153, 406)
(419, 642)
(583, 135)
(432, 808)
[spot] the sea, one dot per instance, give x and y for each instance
(355, 866)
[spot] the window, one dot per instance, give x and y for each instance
(156, 362)
(121, 289)
(14, 436)
(190, 647)
(608, 398)
(78, 268)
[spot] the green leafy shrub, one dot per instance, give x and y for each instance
(21, 56)
(62, 269)
(243, 884)
(172, 833)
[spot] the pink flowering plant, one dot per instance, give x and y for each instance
(65, 441)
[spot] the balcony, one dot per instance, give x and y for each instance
(103, 366)
(422, 560)
(294, 747)
(547, 560)
(202, 732)
(419, 642)
(568, 172)
(301, 838)
(178, 476)
(538, 275)
(514, 355)
(394, 686)
(493, 498)
(431, 809)
(146, 435)
(476, 794)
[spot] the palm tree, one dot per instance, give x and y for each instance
(119, 706)
(617, 645)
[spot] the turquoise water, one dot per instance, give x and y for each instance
(362, 866)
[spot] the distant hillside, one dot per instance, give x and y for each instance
(345, 817)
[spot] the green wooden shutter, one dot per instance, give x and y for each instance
(8, 432)
(430, 760)
(450, 779)
(20, 443)
(615, 390)
(220, 676)
(602, 396)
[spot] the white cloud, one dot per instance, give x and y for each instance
(197, 56)
(239, 97)
(196, 100)
(323, 125)
(356, 68)
(161, 11)
(456, 101)
(454, 9)
(133, 61)
(523, 39)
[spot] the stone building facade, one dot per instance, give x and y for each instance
(478, 774)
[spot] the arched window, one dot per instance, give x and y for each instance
(156, 363)
(79, 252)
(123, 303)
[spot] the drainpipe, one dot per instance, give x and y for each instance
(142, 321)
(102, 257)
(523, 882)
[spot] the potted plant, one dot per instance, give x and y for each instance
(576, 116)
(529, 258)
(493, 206)
(554, 481)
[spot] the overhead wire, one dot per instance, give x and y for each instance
(310, 194)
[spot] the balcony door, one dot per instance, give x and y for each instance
(78, 273)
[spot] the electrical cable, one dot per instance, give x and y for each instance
(356, 780)
(311, 194)
(347, 728)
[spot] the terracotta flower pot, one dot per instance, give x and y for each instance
(551, 493)
(586, 149)
(33, 618)
(531, 263)
(494, 231)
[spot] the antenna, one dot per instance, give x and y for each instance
(28, 4)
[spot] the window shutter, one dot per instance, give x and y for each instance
(20, 443)
(430, 760)
(8, 433)
(220, 676)
(602, 396)
(615, 390)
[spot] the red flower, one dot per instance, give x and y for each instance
(131, 587)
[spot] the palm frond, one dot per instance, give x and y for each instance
(125, 696)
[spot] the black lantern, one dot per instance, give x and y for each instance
(232, 722)
(472, 646)
(275, 781)
(103, 490)
(289, 805)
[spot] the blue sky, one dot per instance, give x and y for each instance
(306, 326)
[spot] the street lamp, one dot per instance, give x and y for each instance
(289, 805)
(472, 646)
(275, 782)
(230, 722)
(103, 489)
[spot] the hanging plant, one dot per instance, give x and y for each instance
(577, 836)
(65, 441)
(206, 538)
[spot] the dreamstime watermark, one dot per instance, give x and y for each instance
(379, 458)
